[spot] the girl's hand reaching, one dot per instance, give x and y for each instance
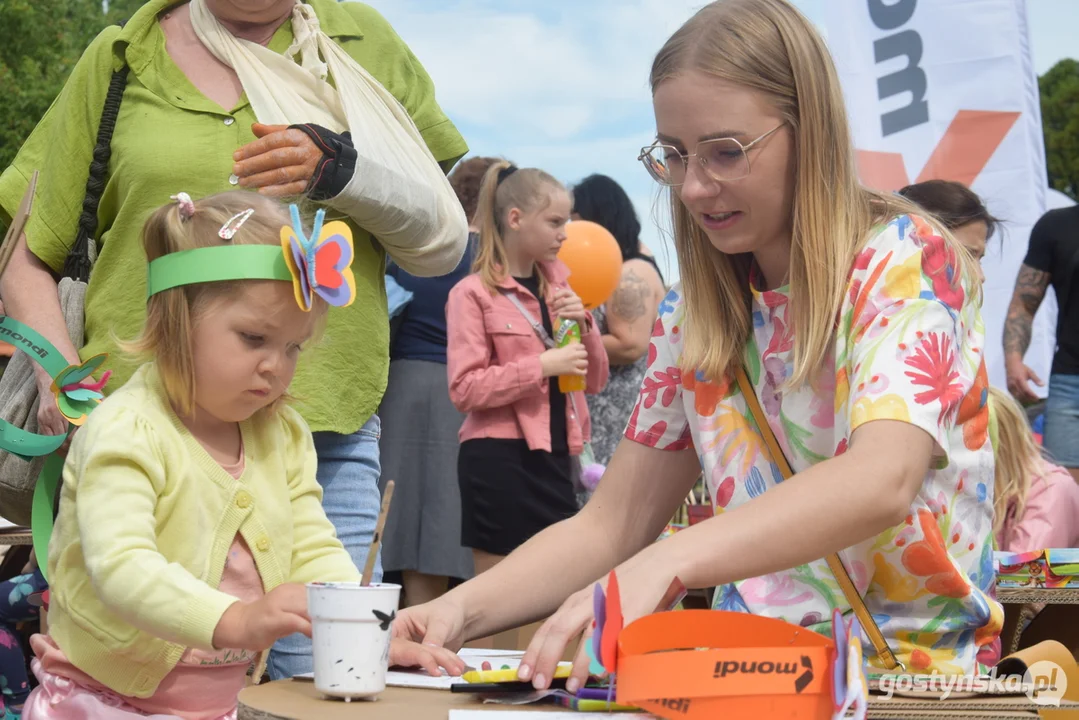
(569, 360)
(567, 306)
(406, 653)
(258, 625)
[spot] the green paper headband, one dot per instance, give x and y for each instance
(319, 265)
(216, 264)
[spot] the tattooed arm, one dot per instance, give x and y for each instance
(1030, 289)
(631, 313)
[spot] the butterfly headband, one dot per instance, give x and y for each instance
(319, 264)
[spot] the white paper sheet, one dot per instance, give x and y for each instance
(418, 678)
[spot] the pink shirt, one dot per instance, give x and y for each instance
(494, 368)
(1050, 518)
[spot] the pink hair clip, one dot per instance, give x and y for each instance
(230, 228)
(187, 206)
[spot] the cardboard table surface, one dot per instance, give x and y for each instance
(299, 700)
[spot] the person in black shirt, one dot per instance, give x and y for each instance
(1052, 259)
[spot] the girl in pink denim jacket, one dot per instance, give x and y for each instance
(521, 434)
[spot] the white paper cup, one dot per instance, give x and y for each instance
(351, 627)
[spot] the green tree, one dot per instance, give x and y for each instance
(1059, 89)
(40, 42)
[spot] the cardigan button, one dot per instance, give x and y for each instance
(229, 121)
(243, 500)
(263, 544)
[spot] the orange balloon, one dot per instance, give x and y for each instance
(594, 260)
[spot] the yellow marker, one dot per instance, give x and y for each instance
(497, 676)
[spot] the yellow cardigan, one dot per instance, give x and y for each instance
(146, 520)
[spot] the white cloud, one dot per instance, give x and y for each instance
(552, 71)
(558, 84)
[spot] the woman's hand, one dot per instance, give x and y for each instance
(50, 421)
(567, 306)
(438, 623)
(643, 581)
(407, 653)
(280, 163)
(294, 159)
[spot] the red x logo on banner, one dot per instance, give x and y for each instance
(968, 143)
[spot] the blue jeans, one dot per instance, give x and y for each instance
(1061, 436)
(348, 471)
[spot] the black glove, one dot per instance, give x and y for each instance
(338, 162)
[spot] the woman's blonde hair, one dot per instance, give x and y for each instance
(1018, 458)
(172, 315)
(528, 190)
(769, 47)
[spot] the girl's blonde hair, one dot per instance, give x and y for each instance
(171, 315)
(528, 190)
(769, 47)
(1018, 458)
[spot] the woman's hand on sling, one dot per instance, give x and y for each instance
(280, 163)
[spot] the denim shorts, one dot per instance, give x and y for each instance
(348, 471)
(1061, 437)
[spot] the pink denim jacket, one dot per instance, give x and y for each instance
(494, 367)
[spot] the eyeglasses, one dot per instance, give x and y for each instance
(721, 158)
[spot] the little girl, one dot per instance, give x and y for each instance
(1036, 505)
(521, 434)
(190, 516)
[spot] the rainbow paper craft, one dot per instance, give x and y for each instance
(75, 396)
(1056, 568)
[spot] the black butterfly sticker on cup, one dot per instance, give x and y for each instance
(384, 620)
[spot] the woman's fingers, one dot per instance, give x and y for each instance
(291, 189)
(277, 176)
(274, 139)
(550, 642)
(283, 159)
(581, 663)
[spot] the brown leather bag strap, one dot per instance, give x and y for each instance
(880, 645)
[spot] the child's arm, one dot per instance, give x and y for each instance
(475, 384)
(317, 554)
(116, 487)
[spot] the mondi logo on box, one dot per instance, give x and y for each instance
(803, 671)
(1044, 683)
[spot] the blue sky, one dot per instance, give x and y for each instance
(563, 84)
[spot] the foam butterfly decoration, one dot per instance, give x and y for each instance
(322, 264)
(849, 687)
(606, 625)
(74, 395)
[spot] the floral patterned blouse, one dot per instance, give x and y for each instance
(909, 347)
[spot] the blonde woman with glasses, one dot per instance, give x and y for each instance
(856, 322)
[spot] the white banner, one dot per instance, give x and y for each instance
(946, 89)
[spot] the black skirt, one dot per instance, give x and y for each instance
(509, 493)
